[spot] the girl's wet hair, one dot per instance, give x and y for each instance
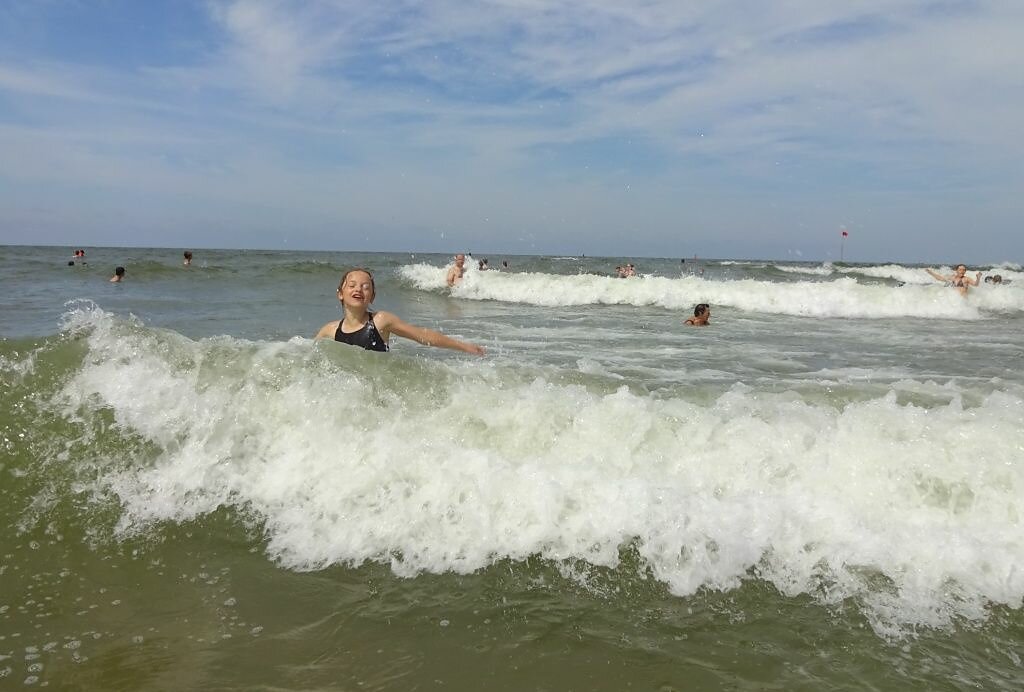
(700, 308)
(357, 269)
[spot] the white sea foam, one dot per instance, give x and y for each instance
(918, 275)
(896, 272)
(824, 270)
(842, 297)
(429, 465)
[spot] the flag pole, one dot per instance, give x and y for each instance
(842, 242)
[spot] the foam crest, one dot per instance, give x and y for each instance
(346, 456)
(895, 272)
(842, 297)
(824, 270)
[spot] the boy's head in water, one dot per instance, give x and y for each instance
(701, 315)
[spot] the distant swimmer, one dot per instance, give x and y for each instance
(118, 276)
(483, 266)
(457, 271)
(504, 265)
(78, 257)
(188, 258)
(701, 315)
(372, 330)
(958, 280)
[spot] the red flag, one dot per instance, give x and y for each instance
(845, 234)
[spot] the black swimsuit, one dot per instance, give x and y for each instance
(367, 337)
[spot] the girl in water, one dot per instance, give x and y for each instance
(959, 280)
(373, 330)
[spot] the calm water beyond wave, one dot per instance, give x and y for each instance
(824, 489)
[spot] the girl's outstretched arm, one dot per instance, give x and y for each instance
(388, 324)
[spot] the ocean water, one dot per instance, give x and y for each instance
(824, 489)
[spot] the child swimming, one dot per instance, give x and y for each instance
(372, 330)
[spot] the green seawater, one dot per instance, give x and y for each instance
(216, 591)
(200, 605)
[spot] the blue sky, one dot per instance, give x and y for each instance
(724, 129)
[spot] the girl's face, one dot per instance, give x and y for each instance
(961, 270)
(356, 289)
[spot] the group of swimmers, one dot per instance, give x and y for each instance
(961, 282)
(372, 330)
(119, 271)
(458, 269)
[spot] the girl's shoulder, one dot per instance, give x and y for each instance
(328, 329)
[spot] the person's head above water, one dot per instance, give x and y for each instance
(701, 315)
(119, 271)
(357, 285)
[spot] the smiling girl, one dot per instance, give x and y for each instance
(373, 330)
